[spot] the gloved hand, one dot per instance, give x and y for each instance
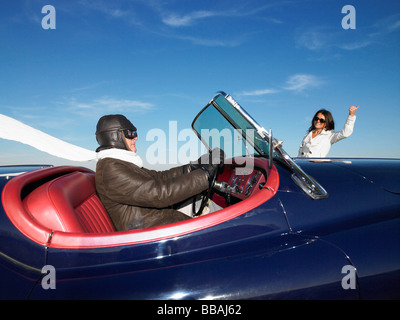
(215, 157)
(209, 162)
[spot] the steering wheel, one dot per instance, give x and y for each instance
(205, 196)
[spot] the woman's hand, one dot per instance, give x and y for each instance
(352, 110)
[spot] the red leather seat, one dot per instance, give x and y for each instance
(69, 203)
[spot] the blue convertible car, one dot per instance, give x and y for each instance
(288, 228)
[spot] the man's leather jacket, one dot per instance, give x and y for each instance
(138, 198)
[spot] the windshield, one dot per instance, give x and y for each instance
(224, 124)
(221, 125)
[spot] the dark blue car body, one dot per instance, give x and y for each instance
(345, 245)
(291, 247)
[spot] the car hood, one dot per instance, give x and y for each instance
(384, 173)
(359, 191)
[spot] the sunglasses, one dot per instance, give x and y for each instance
(319, 119)
(130, 134)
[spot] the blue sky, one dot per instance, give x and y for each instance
(161, 61)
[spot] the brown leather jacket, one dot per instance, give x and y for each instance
(138, 198)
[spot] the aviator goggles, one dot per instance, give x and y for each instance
(130, 134)
(319, 119)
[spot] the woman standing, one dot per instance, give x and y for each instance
(321, 135)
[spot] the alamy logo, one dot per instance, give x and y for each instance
(49, 278)
(349, 281)
(49, 20)
(349, 20)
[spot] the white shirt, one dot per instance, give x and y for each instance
(319, 146)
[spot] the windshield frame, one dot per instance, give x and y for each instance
(213, 120)
(306, 183)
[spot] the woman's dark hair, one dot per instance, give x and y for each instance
(330, 124)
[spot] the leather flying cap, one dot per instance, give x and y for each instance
(109, 131)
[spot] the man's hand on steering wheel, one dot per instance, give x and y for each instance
(209, 162)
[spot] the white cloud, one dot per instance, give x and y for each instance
(394, 26)
(355, 45)
(296, 83)
(208, 42)
(328, 39)
(107, 105)
(115, 10)
(175, 20)
(301, 82)
(123, 104)
(313, 40)
(258, 92)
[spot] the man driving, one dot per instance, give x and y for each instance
(136, 197)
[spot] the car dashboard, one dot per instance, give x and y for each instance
(237, 183)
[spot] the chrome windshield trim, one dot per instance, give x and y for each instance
(305, 182)
(260, 130)
(308, 184)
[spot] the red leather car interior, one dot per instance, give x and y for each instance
(58, 207)
(69, 203)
